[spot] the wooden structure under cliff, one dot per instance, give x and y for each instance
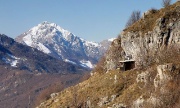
(127, 62)
(127, 65)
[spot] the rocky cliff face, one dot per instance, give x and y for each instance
(147, 37)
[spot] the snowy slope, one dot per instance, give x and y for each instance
(62, 44)
(10, 59)
(23, 57)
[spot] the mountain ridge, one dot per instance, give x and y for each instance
(62, 44)
(25, 57)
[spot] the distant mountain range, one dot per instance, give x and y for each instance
(44, 58)
(24, 57)
(26, 73)
(64, 45)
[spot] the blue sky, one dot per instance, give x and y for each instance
(93, 20)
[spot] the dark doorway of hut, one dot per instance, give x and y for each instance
(127, 65)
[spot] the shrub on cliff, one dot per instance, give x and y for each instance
(135, 16)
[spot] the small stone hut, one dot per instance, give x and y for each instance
(127, 65)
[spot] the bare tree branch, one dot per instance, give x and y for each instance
(166, 3)
(135, 16)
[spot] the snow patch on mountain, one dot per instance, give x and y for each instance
(69, 61)
(27, 39)
(10, 59)
(14, 63)
(111, 39)
(88, 43)
(86, 64)
(42, 48)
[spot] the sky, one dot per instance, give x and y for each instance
(93, 20)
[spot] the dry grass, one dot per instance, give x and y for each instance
(45, 94)
(169, 14)
(97, 87)
(126, 89)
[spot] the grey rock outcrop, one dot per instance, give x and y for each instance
(139, 45)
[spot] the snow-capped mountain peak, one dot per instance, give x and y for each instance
(52, 39)
(48, 29)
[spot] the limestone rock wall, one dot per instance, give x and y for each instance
(139, 45)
